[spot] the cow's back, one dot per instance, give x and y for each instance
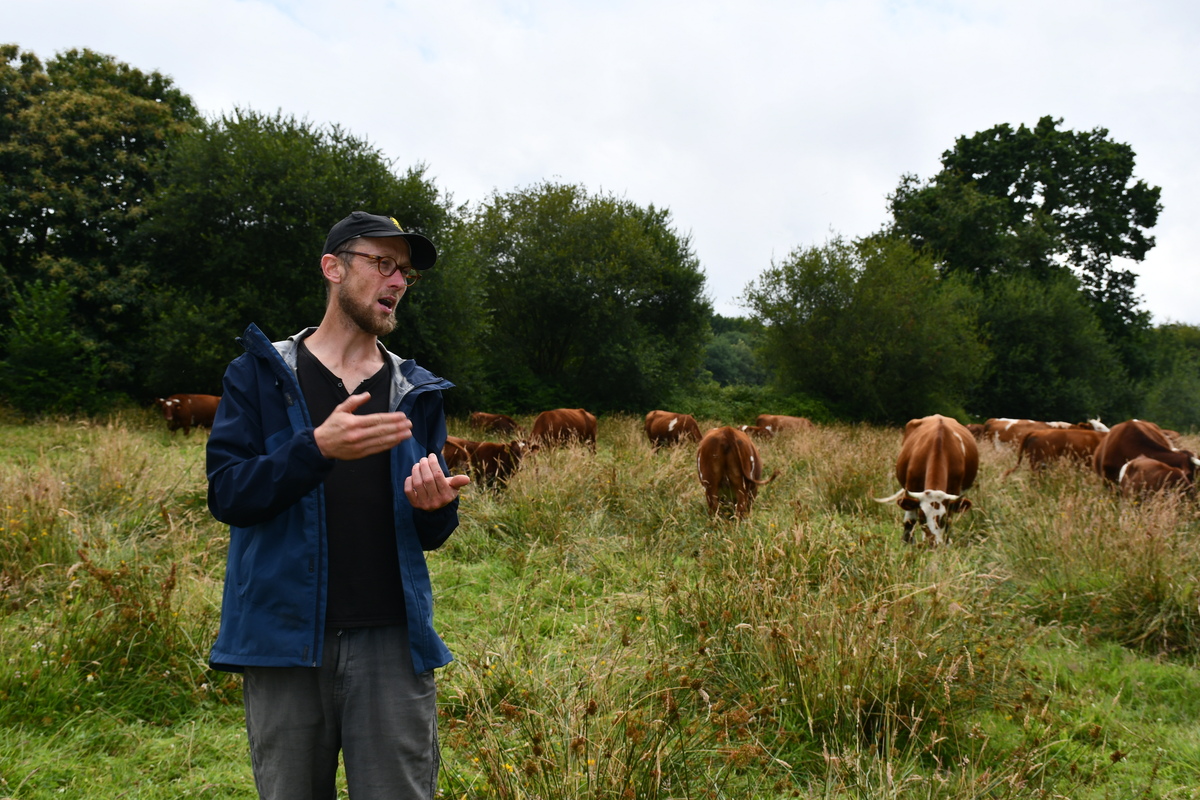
(937, 453)
(563, 425)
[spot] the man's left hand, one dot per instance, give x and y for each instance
(428, 488)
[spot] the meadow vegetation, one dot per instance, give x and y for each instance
(612, 641)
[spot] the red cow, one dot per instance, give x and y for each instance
(562, 425)
(494, 423)
(728, 464)
(1132, 438)
(497, 461)
(457, 452)
(756, 431)
(664, 427)
(1144, 475)
(938, 461)
(1051, 445)
(777, 423)
(188, 411)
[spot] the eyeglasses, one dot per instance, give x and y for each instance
(387, 266)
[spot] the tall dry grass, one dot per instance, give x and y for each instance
(614, 641)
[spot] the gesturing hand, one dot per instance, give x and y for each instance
(346, 436)
(428, 488)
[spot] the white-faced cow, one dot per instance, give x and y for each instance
(938, 462)
(666, 427)
(730, 469)
(189, 411)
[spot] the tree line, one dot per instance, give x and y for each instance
(141, 238)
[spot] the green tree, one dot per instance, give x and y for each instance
(49, 367)
(599, 302)
(234, 236)
(80, 143)
(730, 356)
(1035, 201)
(1172, 397)
(870, 328)
(1050, 359)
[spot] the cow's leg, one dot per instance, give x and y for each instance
(910, 520)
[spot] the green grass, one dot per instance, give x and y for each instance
(612, 641)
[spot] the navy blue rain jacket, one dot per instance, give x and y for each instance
(265, 477)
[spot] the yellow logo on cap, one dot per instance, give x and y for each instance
(397, 224)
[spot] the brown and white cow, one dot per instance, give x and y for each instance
(189, 411)
(1136, 437)
(494, 423)
(497, 461)
(1042, 447)
(562, 425)
(937, 463)
(756, 431)
(777, 423)
(666, 427)
(1003, 430)
(1144, 475)
(730, 469)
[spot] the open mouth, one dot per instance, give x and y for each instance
(388, 302)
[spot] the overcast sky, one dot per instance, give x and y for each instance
(762, 126)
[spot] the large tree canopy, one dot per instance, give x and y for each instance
(1032, 200)
(870, 328)
(80, 142)
(598, 301)
(235, 236)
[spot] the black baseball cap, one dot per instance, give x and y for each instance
(360, 223)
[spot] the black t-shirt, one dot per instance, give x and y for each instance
(365, 587)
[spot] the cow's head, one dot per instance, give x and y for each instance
(931, 509)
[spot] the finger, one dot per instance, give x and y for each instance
(352, 402)
(458, 481)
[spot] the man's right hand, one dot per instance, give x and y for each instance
(346, 436)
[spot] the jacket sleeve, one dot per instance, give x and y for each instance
(434, 527)
(257, 464)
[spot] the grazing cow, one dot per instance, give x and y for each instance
(728, 464)
(1132, 438)
(1002, 430)
(938, 461)
(1144, 475)
(664, 427)
(1050, 445)
(497, 461)
(494, 423)
(756, 431)
(457, 453)
(188, 411)
(778, 423)
(562, 425)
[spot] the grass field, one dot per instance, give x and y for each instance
(614, 642)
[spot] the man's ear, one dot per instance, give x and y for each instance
(333, 268)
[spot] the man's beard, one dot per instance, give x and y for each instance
(360, 314)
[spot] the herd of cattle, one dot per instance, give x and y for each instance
(938, 460)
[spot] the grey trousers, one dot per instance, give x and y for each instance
(364, 700)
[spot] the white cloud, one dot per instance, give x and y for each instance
(761, 125)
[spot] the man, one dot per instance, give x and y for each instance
(324, 459)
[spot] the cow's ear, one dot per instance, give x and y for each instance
(908, 503)
(961, 504)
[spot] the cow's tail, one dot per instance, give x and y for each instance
(1020, 452)
(774, 475)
